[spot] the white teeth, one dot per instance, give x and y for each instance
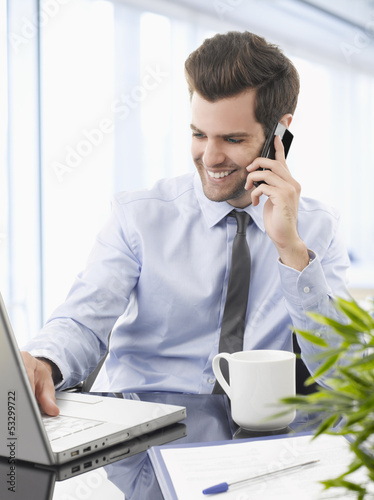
(218, 175)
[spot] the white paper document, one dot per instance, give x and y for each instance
(193, 469)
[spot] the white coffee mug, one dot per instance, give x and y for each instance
(258, 379)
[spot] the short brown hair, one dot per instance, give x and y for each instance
(228, 64)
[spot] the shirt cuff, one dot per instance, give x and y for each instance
(56, 372)
(306, 287)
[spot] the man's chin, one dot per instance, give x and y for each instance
(235, 198)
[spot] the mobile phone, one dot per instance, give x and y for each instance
(268, 149)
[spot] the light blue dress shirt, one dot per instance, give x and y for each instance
(157, 278)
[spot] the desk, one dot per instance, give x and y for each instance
(208, 419)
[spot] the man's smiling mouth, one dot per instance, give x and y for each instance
(219, 175)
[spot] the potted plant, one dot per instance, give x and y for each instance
(347, 403)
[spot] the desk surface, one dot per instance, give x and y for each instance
(208, 419)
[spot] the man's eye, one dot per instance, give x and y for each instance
(234, 141)
(197, 135)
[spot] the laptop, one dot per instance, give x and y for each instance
(86, 424)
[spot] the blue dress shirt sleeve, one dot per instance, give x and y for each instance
(313, 290)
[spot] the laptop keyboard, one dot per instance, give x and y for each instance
(63, 425)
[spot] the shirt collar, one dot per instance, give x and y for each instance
(215, 211)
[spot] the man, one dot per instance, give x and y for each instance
(157, 276)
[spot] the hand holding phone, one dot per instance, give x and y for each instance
(268, 149)
(280, 210)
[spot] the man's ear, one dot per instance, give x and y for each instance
(286, 120)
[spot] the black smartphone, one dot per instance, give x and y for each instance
(268, 149)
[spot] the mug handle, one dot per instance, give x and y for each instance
(218, 373)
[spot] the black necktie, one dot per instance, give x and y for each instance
(233, 321)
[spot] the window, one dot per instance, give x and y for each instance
(78, 141)
(3, 153)
(22, 282)
(331, 156)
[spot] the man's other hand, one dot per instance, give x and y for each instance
(40, 376)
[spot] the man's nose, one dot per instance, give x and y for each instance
(213, 154)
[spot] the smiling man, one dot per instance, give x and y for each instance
(158, 275)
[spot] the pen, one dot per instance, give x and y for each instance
(222, 487)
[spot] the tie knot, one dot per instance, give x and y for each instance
(242, 219)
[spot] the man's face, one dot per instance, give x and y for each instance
(226, 138)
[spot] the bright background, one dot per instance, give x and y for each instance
(93, 101)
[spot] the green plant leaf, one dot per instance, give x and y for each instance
(350, 332)
(343, 483)
(370, 341)
(329, 423)
(313, 338)
(366, 362)
(296, 400)
(327, 365)
(358, 381)
(365, 458)
(309, 381)
(357, 416)
(355, 313)
(327, 353)
(355, 465)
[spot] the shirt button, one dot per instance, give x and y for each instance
(306, 289)
(212, 381)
